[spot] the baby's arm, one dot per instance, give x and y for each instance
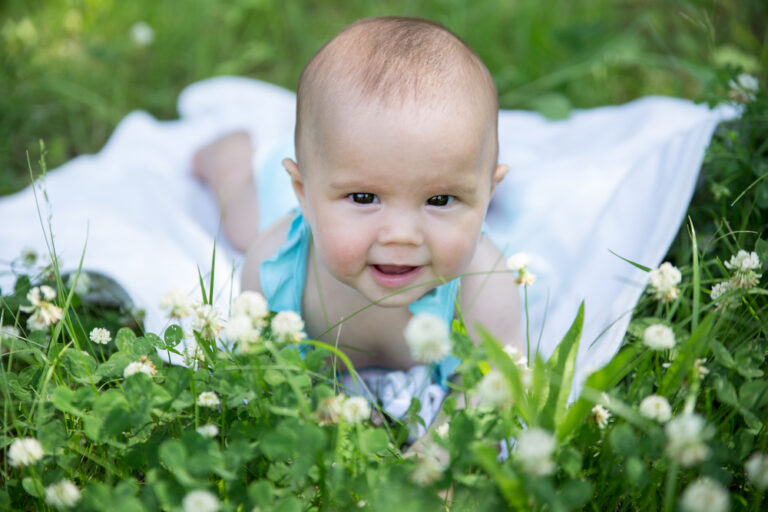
(490, 301)
(490, 298)
(264, 246)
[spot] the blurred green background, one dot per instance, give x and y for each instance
(71, 69)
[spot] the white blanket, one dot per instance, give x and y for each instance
(612, 178)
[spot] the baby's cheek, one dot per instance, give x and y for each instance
(456, 252)
(343, 251)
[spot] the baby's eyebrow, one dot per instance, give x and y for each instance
(457, 186)
(348, 184)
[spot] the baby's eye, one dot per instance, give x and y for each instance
(441, 200)
(363, 197)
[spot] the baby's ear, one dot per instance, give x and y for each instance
(296, 179)
(498, 175)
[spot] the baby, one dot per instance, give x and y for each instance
(396, 160)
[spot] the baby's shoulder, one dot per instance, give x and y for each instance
(489, 295)
(487, 268)
(264, 246)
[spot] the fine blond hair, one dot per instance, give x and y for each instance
(390, 61)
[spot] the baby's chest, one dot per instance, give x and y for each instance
(370, 338)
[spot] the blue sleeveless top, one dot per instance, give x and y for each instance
(283, 277)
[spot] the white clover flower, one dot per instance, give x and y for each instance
(28, 256)
(142, 34)
(206, 321)
(664, 281)
(655, 407)
(288, 325)
(756, 468)
(743, 261)
(698, 364)
(720, 289)
(24, 451)
(428, 468)
(494, 390)
(8, 332)
(247, 320)
(192, 352)
(208, 399)
(518, 261)
(686, 436)
(512, 351)
(143, 365)
(200, 501)
(176, 302)
(48, 293)
(526, 278)
(744, 88)
(355, 409)
(251, 304)
(534, 451)
(329, 410)
(526, 376)
(744, 265)
(44, 312)
(658, 337)
(705, 495)
(241, 328)
(601, 415)
(748, 82)
(427, 471)
(442, 431)
(427, 337)
(100, 336)
(62, 494)
(37, 322)
(210, 430)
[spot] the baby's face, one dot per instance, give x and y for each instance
(397, 197)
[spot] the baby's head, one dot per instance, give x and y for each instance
(393, 63)
(396, 144)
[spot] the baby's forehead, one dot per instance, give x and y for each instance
(361, 133)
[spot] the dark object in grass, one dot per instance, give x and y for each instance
(102, 293)
(101, 290)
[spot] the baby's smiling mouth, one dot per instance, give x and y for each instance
(395, 276)
(394, 269)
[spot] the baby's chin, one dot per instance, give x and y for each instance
(397, 298)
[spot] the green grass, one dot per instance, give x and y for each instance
(70, 70)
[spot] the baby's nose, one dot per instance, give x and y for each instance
(400, 228)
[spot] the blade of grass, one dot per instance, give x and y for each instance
(510, 370)
(213, 267)
(634, 264)
(696, 277)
